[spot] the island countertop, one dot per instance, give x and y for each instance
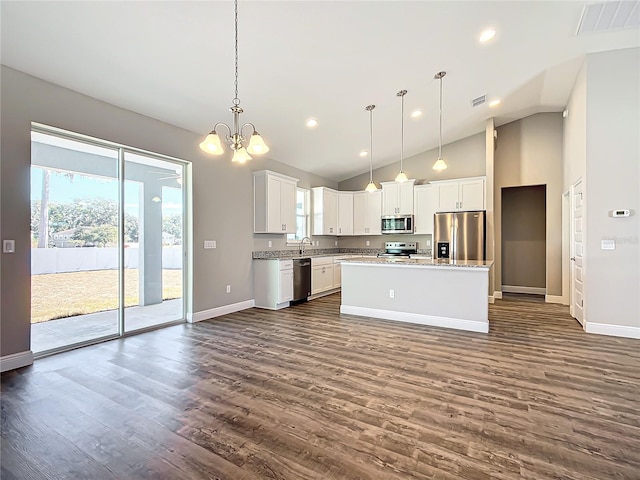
(421, 262)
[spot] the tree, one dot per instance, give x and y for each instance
(99, 236)
(172, 224)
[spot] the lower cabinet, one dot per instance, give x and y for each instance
(321, 274)
(273, 283)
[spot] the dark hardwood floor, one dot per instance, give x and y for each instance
(306, 393)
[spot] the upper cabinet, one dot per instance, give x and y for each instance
(345, 213)
(325, 211)
(425, 203)
(367, 210)
(397, 198)
(274, 202)
(460, 194)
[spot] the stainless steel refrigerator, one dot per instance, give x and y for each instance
(460, 235)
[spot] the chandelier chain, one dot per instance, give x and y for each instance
(236, 100)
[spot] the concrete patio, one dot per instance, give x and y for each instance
(58, 333)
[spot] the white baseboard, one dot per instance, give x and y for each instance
(497, 295)
(529, 290)
(218, 311)
(555, 299)
(613, 330)
(432, 320)
(16, 360)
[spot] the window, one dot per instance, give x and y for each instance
(302, 217)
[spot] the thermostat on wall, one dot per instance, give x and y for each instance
(619, 213)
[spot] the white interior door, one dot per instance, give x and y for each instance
(577, 257)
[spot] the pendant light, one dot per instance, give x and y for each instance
(440, 163)
(371, 187)
(235, 139)
(401, 177)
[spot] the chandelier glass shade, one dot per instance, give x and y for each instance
(235, 139)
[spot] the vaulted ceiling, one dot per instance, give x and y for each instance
(174, 61)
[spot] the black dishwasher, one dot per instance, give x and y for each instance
(301, 279)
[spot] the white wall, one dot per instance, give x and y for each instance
(612, 286)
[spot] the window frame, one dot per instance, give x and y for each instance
(292, 239)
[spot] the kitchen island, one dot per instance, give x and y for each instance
(441, 293)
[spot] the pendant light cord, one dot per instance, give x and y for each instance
(440, 141)
(371, 107)
(401, 94)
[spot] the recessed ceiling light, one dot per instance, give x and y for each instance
(416, 114)
(495, 103)
(311, 123)
(364, 153)
(487, 35)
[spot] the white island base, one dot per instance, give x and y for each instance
(418, 291)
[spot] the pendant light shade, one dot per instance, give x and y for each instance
(371, 187)
(236, 140)
(440, 163)
(401, 177)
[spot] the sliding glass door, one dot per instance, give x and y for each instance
(153, 269)
(107, 241)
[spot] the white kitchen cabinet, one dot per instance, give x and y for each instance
(425, 204)
(462, 194)
(397, 198)
(345, 213)
(274, 202)
(273, 283)
(337, 270)
(325, 211)
(321, 274)
(367, 210)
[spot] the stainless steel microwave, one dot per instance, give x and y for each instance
(397, 224)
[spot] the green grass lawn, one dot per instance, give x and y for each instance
(59, 295)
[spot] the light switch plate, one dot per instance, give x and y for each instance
(608, 244)
(8, 246)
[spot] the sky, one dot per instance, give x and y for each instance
(83, 187)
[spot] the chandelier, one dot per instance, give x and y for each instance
(235, 138)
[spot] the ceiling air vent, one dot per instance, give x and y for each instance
(607, 16)
(479, 100)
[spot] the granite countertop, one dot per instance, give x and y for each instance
(421, 262)
(323, 252)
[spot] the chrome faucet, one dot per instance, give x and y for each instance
(302, 244)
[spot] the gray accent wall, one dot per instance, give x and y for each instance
(529, 152)
(524, 236)
(222, 206)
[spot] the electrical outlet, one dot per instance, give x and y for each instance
(270, 244)
(428, 243)
(367, 243)
(228, 288)
(392, 294)
(210, 244)
(336, 243)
